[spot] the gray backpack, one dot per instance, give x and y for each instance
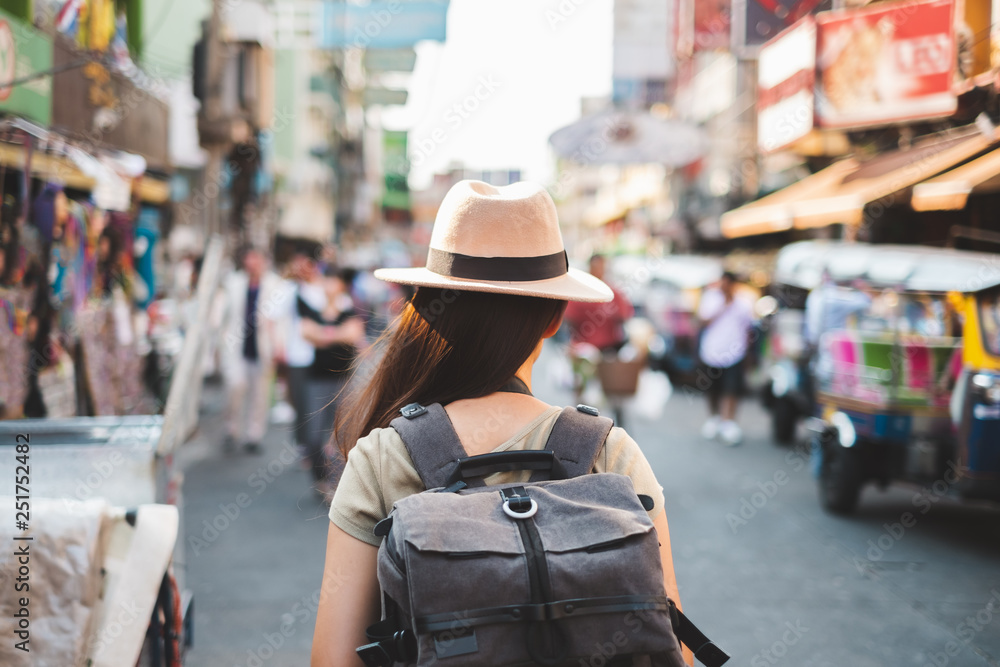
(561, 570)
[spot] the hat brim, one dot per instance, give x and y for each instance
(575, 285)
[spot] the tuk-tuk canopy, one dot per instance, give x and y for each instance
(681, 271)
(908, 267)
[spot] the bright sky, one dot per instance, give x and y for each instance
(530, 61)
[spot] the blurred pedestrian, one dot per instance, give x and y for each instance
(250, 347)
(726, 319)
(336, 331)
(596, 329)
(300, 353)
(601, 325)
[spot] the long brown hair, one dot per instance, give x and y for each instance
(446, 345)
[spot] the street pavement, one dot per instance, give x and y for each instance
(912, 579)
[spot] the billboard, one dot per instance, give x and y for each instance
(381, 24)
(702, 25)
(786, 75)
(890, 63)
(758, 21)
(641, 48)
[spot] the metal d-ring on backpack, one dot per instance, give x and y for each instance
(564, 569)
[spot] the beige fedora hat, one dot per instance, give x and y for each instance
(500, 239)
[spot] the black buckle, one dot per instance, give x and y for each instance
(383, 527)
(711, 655)
(375, 655)
(413, 410)
(588, 410)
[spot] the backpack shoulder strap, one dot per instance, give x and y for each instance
(431, 442)
(577, 439)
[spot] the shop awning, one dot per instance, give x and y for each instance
(777, 211)
(839, 193)
(950, 191)
(63, 170)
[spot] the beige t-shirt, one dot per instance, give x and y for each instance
(379, 472)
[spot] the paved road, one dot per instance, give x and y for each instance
(912, 579)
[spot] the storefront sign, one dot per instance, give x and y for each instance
(397, 168)
(390, 60)
(758, 21)
(890, 63)
(382, 24)
(640, 48)
(786, 74)
(25, 51)
(702, 25)
(374, 96)
(103, 109)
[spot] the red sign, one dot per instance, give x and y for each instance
(702, 25)
(891, 63)
(786, 76)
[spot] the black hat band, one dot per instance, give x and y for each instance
(507, 269)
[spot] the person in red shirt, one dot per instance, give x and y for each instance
(599, 324)
(596, 330)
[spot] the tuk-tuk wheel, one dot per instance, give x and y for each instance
(784, 418)
(840, 475)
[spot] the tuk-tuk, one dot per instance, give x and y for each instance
(899, 397)
(788, 392)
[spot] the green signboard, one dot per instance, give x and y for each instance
(25, 51)
(390, 60)
(396, 168)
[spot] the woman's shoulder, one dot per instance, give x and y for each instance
(386, 456)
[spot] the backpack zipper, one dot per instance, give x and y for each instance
(546, 644)
(538, 568)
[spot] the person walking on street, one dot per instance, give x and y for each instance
(596, 329)
(299, 352)
(599, 324)
(494, 288)
(336, 332)
(250, 347)
(726, 320)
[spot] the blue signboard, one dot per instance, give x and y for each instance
(382, 24)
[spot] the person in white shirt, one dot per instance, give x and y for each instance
(300, 352)
(726, 320)
(250, 346)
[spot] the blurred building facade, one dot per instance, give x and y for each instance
(863, 121)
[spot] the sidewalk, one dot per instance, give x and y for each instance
(255, 534)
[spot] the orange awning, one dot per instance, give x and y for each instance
(950, 191)
(839, 193)
(776, 212)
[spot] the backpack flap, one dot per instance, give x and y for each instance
(479, 585)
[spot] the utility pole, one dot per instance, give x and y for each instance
(213, 126)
